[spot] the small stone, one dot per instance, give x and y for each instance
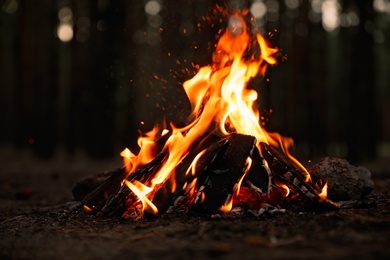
(345, 181)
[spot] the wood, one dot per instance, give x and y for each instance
(99, 191)
(115, 203)
(213, 183)
(284, 171)
(217, 183)
(258, 177)
(167, 196)
(86, 185)
(105, 191)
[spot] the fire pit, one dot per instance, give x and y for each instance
(223, 160)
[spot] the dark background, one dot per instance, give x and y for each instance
(124, 66)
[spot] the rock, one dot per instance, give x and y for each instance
(345, 181)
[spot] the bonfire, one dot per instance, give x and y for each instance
(223, 161)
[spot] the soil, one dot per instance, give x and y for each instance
(40, 220)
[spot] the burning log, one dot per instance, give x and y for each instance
(285, 172)
(141, 175)
(185, 175)
(96, 191)
(259, 176)
(110, 195)
(222, 179)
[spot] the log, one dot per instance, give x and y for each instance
(88, 184)
(95, 199)
(257, 185)
(117, 201)
(168, 196)
(284, 171)
(217, 183)
(259, 176)
(97, 190)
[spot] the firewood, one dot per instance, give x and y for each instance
(86, 185)
(168, 196)
(95, 199)
(217, 183)
(115, 202)
(96, 190)
(259, 176)
(286, 172)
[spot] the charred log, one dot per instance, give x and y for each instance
(258, 177)
(96, 198)
(102, 192)
(175, 189)
(85, 186)
(286, 172)
(218, 182)
(116, 202)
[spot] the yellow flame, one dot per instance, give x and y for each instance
(148, 150)
(141, 191)
(287, 189)
(227, 207)
(128, 158)
(192, 167)
(324, 192)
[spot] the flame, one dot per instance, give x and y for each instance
(192, 167)
(228, 205)
(147, 143)
(285, 143)
(324, 192)
(220, 102)
(141, 191)
(287, 189)
(87, 209)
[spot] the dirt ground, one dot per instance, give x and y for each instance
(39, 220)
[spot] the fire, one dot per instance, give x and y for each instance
(324, 192)
(222, 104)
(148, 145)
(141, 191)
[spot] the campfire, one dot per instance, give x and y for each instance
(223, 160)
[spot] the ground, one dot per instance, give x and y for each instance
(39, 220)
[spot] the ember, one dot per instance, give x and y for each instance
(223, 159)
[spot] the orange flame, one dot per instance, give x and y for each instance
(148, 150)
(287, 190)
(221, 102)
(141, 191)
(324, 192)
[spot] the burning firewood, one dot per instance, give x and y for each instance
(285, 172)
(223, 158)
(220, 182)
(185, 173)
(111, 194)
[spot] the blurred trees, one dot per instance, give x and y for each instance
(123, 67)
